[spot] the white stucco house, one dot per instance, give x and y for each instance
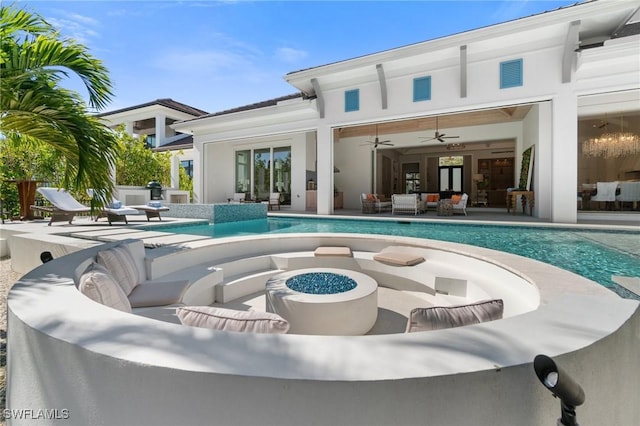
(549, 81)
(153, 120)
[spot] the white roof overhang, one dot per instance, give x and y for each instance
(598, 20)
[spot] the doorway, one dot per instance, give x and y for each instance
(450, 179)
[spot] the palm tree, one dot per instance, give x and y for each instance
(35, 109)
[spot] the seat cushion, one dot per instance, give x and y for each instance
(398, 258)
(99, 285)
(232, 320)
(158, 293)
(436, 318)
(333, 251)
(121, 265)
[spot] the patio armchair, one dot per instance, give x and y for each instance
(274, 201)
(406, 203)
(372, 204)
(430, 200)
(238, 198)
(629, 193)
(459, 205)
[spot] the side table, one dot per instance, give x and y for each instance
(445, 208)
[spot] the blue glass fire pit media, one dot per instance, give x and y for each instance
(321, 283)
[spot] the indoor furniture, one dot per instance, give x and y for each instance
(605, 192)
(527, 197)
(629, 193)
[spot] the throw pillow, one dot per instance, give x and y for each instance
(455, 199)
(98, 285)
(436, 318)
(232, 320)
(371, 197)
(121, 265)
(115, 204)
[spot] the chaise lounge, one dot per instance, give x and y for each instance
(63, 206)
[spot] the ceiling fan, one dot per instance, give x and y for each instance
(377, 141)
(439, 136)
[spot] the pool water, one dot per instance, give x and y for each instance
(321, 283)
(584, 252)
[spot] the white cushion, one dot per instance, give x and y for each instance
(435, 318)
(333, 251)
(232, 320)
(398, 258)
(138, 253)
(120, 264)
(98, 285)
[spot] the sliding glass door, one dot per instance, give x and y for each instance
(259, 172)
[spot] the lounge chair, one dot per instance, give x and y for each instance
(115, 211)
(152, 209)
(63, 206)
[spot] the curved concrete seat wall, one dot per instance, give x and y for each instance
(107, 367)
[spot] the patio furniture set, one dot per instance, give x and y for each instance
(415, 203)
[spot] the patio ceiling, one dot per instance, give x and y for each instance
(445, 121)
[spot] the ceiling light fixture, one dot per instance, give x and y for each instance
(612, 144)
(455, 146)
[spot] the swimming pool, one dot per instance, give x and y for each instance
(584, 252)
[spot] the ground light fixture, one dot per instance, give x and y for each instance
(561, 386)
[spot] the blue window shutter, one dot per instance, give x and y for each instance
(422, 89)
(511, 74)
(352, 100)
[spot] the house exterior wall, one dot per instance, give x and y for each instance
(539, 41)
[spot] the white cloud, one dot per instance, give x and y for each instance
(78, 27)
(290, 55)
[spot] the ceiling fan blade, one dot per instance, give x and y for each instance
(450, 137)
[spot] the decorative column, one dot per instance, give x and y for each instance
(324, 170)
(160, 129)
(564, 156)
(175, 172)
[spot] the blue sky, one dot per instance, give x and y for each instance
(216, 55)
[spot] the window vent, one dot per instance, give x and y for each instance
(422, 89)
(352, 100)
(511, 74)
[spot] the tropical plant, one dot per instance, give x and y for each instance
(35, 109)
(137, 165)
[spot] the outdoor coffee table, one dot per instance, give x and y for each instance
(445, 208)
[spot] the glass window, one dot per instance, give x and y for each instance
(421, 89)
(262, 173)
(453, 160)
(282, 173)
(352, 100)
(412, 182)
(511, 73)
(243, 171)
(150, 141)
(187, 165)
